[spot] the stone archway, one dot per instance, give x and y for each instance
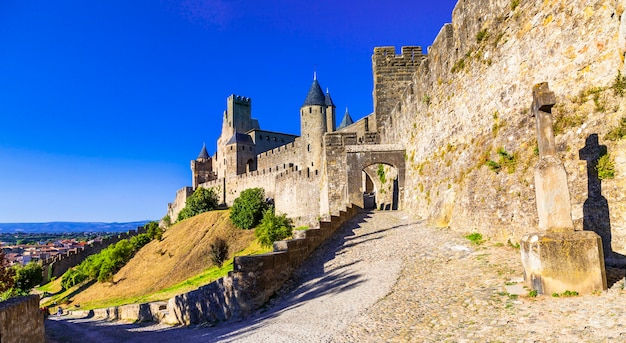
(368, 159)
(382, 194)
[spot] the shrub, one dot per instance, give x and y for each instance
(28, 277)
(218, 251)
(273, 228)
(248, 208)
(154, 231)
(605, 167)
(202, 200)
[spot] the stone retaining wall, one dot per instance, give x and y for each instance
(21, 320)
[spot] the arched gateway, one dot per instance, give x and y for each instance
(383, 166)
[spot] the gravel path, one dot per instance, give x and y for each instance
(386, 278)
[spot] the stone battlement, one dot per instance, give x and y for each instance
(240, 100)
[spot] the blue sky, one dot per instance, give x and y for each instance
(103, 103)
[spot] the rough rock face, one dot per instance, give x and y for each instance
(469, 103)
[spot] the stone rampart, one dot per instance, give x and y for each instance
(471, 97)
(21, 320)
(59, 264)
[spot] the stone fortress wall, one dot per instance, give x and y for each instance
(59, 264)
(471, 96)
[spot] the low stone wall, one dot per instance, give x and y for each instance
(254, 279)
(21, 320)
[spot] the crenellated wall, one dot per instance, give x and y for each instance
(471, 97)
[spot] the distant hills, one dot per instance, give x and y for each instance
(62, 227)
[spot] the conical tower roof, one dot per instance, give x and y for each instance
(203, 152)
(316, 96)
(328, 100)
(347, 120)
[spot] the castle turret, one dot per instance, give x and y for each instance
(202, 168)
(347, 120)
(330, 113)
(313, 125)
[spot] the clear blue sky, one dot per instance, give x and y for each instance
(103, 103)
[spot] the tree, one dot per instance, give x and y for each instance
(7, 274)
(202, 200)
(248, 208)
(273, 228)
(28, 277)
(218, 251)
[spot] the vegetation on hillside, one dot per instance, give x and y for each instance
(179, 263)
(273, 228)
(202, 200)
(18, 280)
(247, 209)
(103, 265)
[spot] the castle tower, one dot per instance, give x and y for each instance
(239, 155)
(202, 168)
(237, 119)
(330, 113)
(313, 125)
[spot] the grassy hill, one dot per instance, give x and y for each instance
(161, 269)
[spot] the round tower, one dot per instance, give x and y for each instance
(313, 126)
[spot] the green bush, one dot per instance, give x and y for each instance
(218, 251)
(104, 265)
(273, 228)
(153, 230)
(28, 277)
(248, 208)
(202, 200)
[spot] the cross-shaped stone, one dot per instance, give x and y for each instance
(543, 100)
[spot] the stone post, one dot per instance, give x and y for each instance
(557, 258)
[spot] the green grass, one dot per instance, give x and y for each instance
(618, 132)
(475, 238)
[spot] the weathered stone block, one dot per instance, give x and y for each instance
(555, 262)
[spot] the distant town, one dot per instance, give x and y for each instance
(22, 248)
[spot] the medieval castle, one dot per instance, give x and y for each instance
(308, 176)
